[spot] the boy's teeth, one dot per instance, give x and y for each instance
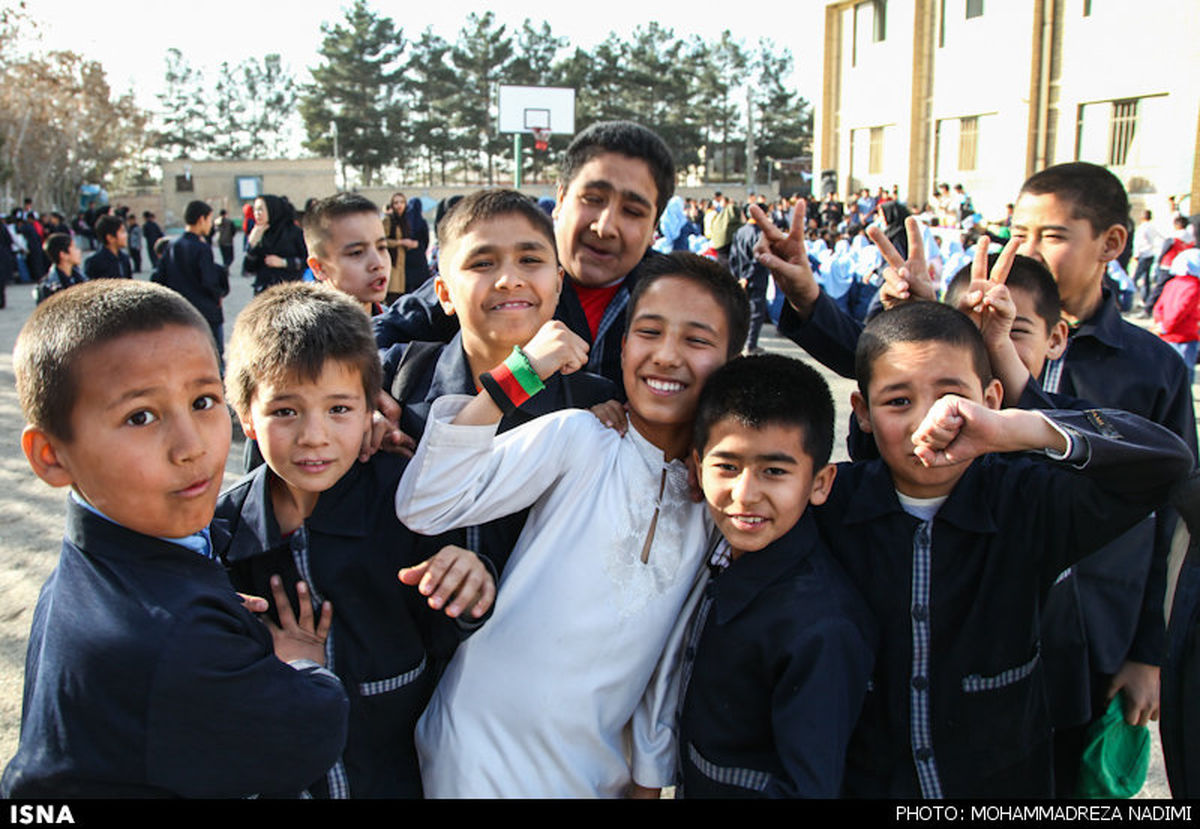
(664, 385)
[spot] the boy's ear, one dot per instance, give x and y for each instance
(822, 485)
(443, 294)
(862, 412)
(43, 457)
(247, 427)
(315, 264)
(559, 192)
(1114, 242)
(993, 394)
(1057, 342)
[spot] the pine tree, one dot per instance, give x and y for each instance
(183, 119)
(481, 57)
(358, 87)
(783, 119)
(434, 85)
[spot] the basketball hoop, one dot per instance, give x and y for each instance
(541, 138)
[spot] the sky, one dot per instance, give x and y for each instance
(131, 40)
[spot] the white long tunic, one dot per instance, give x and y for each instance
(570, 686)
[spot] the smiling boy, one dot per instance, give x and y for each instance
(783, 644)
(302, 367)
(953, 541)
(615, 181)
(582, 651)
(145, 676)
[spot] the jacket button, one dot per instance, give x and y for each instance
(920, 612)
(924, 755)
(920, 683)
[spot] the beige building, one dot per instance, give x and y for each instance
(986, 92)
(228, 184)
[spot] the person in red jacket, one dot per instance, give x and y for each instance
(1177, 314)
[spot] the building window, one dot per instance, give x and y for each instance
(968, 142)
(1087, 8)
(974, 8)
(184, 184)
(941, 23)
(879, 30)
(875, 160)
(1120, 139)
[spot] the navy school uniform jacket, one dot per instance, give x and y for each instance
(146, 677)
(387, 645)
(958, 704)
(418, 317)
(1111, 609)
(187, 266)
(778, 664)
(417, 374)
(104, 264)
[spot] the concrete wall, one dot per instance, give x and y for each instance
(216, 182)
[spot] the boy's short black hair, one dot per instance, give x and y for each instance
(291, 331)
(918, 322)
(320, 215)
(706, 273)
(1028, 275)
(769, 389)
(195, 211)
(108, 225)
(1093, 192)
(625, 138)
(72, 323)
(484, 205)
(56, 245)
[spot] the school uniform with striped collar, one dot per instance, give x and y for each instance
(958, 704)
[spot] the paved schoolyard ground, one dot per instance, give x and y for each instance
(31, 513)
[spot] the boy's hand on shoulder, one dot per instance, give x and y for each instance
(556, 348)
(384, 432)
(612, 414)
(455, 576)
(303, 637)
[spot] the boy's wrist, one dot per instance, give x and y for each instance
(512, 382)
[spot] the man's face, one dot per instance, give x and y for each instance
(122, 237)
(355, 257)
(604, 219)
(74, 255)
(906, 380)
(678, 336)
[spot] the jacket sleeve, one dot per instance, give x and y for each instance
(414, 317)
(815, 704)
(830, 335)
(467, 475)
(226, 718)
(1128, 467)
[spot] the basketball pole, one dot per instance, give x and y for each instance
(517, 157)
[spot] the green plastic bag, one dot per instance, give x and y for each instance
(1116, 756)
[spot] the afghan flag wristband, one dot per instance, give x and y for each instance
(513, 382)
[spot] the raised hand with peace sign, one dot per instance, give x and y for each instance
(903, 279)
(785, 256)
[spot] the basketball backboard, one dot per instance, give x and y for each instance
(523, 109)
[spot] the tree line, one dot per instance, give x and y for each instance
(400, 105)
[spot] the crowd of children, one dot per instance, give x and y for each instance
(620, 559)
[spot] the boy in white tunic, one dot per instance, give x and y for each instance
(569, 691)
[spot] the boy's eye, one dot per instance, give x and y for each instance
(142, 417)
(283, 411)
(340, 409)
(896, 401)
(205, 401)
(775, 471)
(700, 341)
